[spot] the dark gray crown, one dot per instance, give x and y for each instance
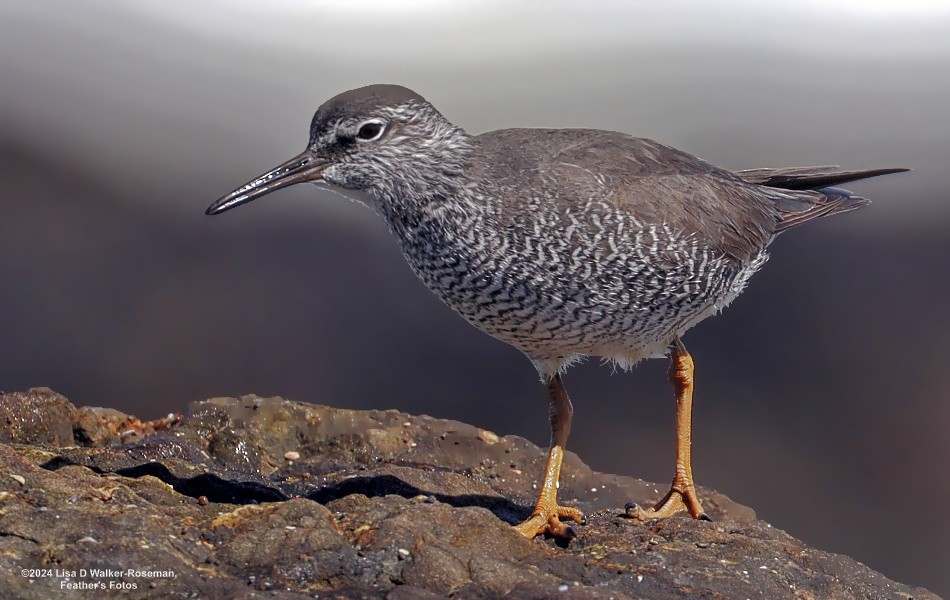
(362, 102)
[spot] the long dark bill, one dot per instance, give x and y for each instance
(304, 167)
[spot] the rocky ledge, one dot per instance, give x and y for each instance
(267, 498)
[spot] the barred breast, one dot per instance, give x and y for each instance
(594, 282)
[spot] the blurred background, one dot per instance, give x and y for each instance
(822, 395)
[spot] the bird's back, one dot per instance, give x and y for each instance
(651, 183)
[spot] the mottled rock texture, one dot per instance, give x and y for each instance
(267, 498)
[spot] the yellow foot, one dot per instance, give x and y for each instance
(675, 501)
(547, 519)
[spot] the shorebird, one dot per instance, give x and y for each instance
(564, 243)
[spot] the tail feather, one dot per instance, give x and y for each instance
(809, 178)
(809, 205)
(810, 193)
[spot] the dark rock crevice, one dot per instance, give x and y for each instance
(25, 538)
(388, 485)
(212, 487)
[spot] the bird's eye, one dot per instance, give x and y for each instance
(370, 131)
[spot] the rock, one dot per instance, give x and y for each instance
(41, 416)
(374, 504)
(37, 416)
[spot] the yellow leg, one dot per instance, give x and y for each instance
(547, 515)
(682, 495)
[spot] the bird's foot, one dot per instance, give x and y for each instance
(681, 497)
(547, 519)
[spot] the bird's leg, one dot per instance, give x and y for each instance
(682, 494)
(547, 515)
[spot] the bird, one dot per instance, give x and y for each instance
(563, 243)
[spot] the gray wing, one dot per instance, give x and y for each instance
(654, 183)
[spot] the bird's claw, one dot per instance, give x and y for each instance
(674, 502)
(547, 519)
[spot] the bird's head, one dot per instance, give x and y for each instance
(384, 140)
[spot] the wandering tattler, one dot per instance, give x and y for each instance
(563, 243)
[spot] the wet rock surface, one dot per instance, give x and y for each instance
(267, 498)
